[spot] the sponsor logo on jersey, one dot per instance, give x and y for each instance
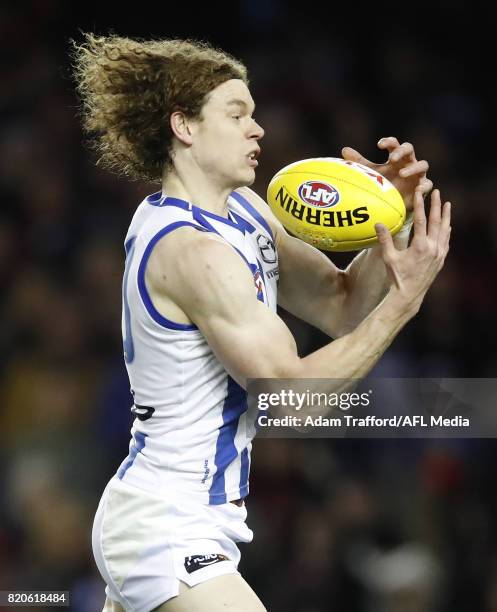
(318, 194)
(196, 562)
(273, 273)
(266, 248)
(324, 218)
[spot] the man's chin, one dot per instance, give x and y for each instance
(243, 181)
(248, 181)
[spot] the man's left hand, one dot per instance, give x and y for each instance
(402, 168)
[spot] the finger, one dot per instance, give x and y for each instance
(419, 217)
(389, 143)
(404, 152)
(444, 233)
(435, 218)
(385, 240)
(425, 186)
(419, 167)
(351, 154)
(447, 242)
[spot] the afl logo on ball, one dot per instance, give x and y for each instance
(318, 194)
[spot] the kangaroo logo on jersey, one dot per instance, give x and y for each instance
(318, 194)
(266, 248)
(196, 562)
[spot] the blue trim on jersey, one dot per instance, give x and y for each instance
(242, 223)
(155, 199)
(153, 312)
(251, 210)
(235, 405)
(138, 446)
(199, 215)
(178, 203)
(160, 200)
(128, 344)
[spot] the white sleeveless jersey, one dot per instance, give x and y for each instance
(193, 430)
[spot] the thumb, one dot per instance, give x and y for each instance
(351, 154)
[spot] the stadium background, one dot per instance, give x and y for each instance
(356, 525)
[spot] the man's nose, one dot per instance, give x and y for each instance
(257, 131)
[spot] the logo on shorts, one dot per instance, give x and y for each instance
(196, 562)
(318, 194)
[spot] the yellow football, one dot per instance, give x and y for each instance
(334, 204)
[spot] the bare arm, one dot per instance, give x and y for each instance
(214, 287)
(367, 282)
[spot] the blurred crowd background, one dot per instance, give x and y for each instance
(356, 525)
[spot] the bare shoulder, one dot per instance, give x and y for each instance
(186, 244)
(192, 251)
(194, 268)
(263, 208)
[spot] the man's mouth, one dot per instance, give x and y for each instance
(252, 157)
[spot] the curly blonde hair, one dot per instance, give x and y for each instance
(130, 87)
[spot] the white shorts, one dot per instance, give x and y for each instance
(144, 544)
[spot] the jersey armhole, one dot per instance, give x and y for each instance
(142, 287)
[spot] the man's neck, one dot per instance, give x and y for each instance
(198, 191)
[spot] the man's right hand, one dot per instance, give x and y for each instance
(413, 270)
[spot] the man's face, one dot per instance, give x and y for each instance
(225, 139)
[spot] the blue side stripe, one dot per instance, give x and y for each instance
(254, 212)
(128, 344)
(138, 446)
(235, 405)
(244, 473)
(154, 313)
(178, 203)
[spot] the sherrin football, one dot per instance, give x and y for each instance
(334, 204)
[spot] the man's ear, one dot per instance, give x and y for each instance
(181, 127)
